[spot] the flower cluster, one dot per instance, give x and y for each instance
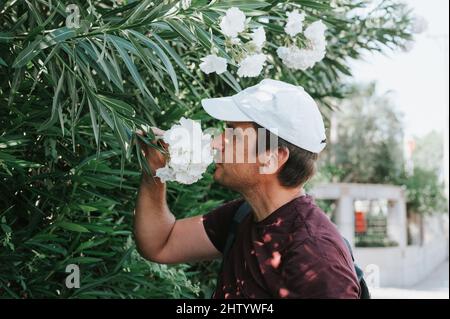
(304, 48)
(248, 56)
(190, 153)
(302, 58)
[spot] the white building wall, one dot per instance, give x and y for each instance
(405, 267)
(401, 266)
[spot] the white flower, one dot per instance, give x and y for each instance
(419, 24)
(165, 174)
(212, 63)
(315, 32)
(185, 4)
(259, 37)
(294, 23)
(235, 41)
(233, 22)
(252, 65)
(299, 59)
(189, 151)
(184, 177)
(304, 58)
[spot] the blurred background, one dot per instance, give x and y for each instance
(394, 131)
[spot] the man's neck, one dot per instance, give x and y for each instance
(265, 199)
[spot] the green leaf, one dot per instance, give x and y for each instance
(121, 133)
(2, 62)
(72, 227)
(138, 12)
(119, 44)
(6, 228)
(96, 56)
(172, 53)
(243, 5)
(90, 244)
(162, 55)
(84, 260)
(158, 11)
(56, 106)
(57, 36)
(87, 209)
(95, 125)
(118, 106)
(6, 37)
(124, 258)
(231, 81)
(319, 5)
(149, 59)
(182, 30)
(27, 54)
(105, 115)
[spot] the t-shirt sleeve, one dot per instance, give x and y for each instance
(315, 269)
(217, 222)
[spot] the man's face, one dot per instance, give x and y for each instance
(238, 165)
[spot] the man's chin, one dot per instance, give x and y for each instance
(218, 174)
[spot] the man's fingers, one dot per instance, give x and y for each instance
(157, 141)
(157, 131)
(140, 132)
(155, 157)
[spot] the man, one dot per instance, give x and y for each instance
(286, 247)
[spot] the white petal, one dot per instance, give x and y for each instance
(252, 65)
(165, 174)
(233, 22)
(294, 23)
(212, 63)
(185, 4)
(259, 37)
(315, 32)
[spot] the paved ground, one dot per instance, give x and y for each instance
(433, 287)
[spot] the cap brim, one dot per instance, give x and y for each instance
(224, 109)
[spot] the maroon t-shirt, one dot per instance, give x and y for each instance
(295, 252)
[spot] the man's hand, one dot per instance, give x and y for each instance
(155, 158)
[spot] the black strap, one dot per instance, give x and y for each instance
(240, 214)
(365, 293)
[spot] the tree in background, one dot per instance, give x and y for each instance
(425, 186)
(72, 97)
(428, 152)
(368, 147)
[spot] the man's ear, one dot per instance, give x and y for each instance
(283, 155)
(272, 161)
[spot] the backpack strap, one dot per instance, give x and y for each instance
(359, 272)
(240, 214)
(365, 294)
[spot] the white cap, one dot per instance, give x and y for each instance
(274, 105)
